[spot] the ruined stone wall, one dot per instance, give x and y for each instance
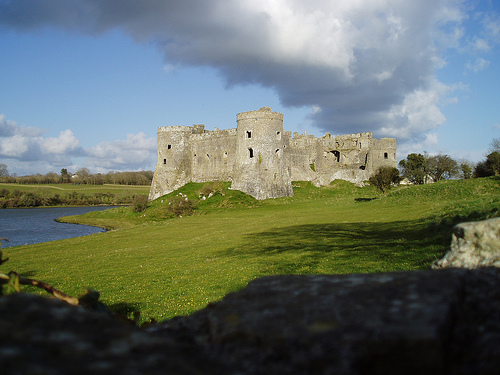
(213, 155)
(260, 159)
(302, 152)
(383, 153)
(322, 160)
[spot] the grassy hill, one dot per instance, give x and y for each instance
(166, 265)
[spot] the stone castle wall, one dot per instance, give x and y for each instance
(260, 159)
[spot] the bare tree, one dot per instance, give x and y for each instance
(495, 145)
(4, 172)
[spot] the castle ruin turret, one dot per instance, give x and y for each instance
(173, 165)
(261, 168)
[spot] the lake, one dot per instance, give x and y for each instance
(27, 226)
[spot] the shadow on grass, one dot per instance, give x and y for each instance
(124, 308)
(364, 199)
(352, 247)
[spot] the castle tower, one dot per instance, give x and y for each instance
(173, 165)
(261, 169)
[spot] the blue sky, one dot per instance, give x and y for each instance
(86, 83)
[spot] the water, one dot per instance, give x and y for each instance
(33, 225)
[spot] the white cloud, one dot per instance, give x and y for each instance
(420, 112)
(14, 146)
(428, 142)
(480, 44)
(64, 143)
(28, 151)
(477, 65)
(135, 152)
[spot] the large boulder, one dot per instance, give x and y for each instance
(474, 244)
(433, 322)
(45, 336)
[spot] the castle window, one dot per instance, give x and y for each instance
(250, 152)
(249, 134)
(164, 161)
(169, 147)
(225, 154)
(278, 153)
(278, 135)
(386, 155)
(336, 154)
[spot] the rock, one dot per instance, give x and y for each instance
(433, 322)
(44, 336)
(474, 244)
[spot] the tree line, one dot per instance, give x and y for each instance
(82, 176)
(423, 168)
(22, 199)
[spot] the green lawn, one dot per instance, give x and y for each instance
(86, 189)
(169, 266)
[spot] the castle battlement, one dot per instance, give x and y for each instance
(261, 159)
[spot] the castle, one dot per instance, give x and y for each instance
(262, 160)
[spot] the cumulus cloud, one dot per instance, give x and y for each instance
(135, 152)
(29, 144)
(27, 150)
(428, 142)
(362, 65)
(477, 65)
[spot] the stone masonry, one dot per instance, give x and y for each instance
(262, 160)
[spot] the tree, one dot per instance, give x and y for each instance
(495, 145)
(493, 162)
(385, 178)
(441, 167)
(414, 168)
(65, 176)
(4, 172)
(83, 175)
(466, 168)
(489, 167)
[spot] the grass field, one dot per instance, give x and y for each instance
(167, 266)
(86, 189)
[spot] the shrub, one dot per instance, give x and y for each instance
(181, 205)
(385, 178)
(140, 203)
(489, 167)
(211, 189)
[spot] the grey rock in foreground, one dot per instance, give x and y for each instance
(44, 336)
(433, 322)
(474, 244)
